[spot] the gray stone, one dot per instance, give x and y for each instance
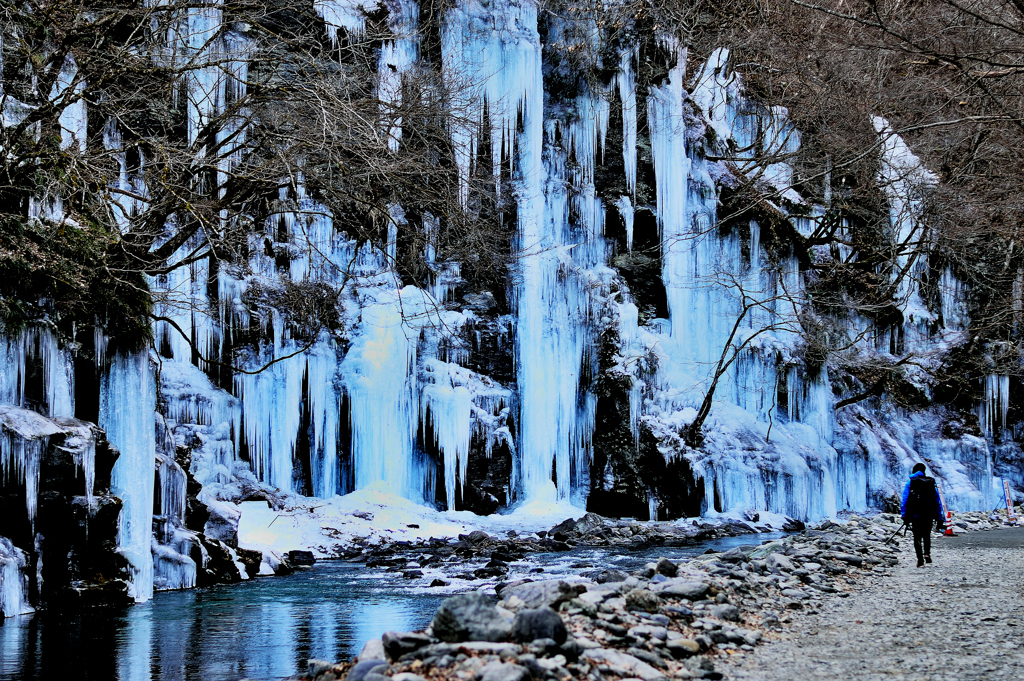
(726, 612)
(777, 561)
(683, 647)
(407, 676)
(682, 588)
(610, 575)
(375, 676)
(642, 599)
(534, 623)
(621, 664)
(550, 592)
(397, 644)
(502, 671)
(362, 669)
(666, 567)
(373, 650)
(471, 617)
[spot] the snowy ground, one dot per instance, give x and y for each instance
(374, 516)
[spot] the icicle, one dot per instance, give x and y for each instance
(995, 404)
(127, 413)
(397, 56)
(625, 207)
(626, 79)
(450, 411)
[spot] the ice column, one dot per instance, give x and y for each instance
(13, 580)
(127, 413)
(378, 377)
(905, 182)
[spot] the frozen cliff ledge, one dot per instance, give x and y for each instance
(58, 521)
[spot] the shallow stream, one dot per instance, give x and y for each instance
(265, 628)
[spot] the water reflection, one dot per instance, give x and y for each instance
(265, 629)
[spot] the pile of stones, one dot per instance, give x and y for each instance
(667, 620)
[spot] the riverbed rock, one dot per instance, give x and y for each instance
(502, 671)
(471, 617)
(538, 623)
(725, 611)
(621, 664)
(397, 644)
(642, 599)
(550, 592)
(359, 671)
(682, 587)
(666, 567)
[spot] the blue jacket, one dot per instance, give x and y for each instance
(916, 513)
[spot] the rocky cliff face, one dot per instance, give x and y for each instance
(660, 251)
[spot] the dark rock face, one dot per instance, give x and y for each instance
(471, 617)
(532, 624)
(72, 545)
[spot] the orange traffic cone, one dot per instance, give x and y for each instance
(949, 524)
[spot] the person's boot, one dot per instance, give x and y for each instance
(920, 562)
(927, 558)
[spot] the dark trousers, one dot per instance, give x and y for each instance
(922, 528)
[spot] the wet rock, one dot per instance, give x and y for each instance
(538, 623)
(471, 617)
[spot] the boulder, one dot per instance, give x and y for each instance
(536, 623)
(471, 617)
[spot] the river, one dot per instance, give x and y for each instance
(261, 629)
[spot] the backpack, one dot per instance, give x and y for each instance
(921, 498)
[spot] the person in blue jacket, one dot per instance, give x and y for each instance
(920, 507)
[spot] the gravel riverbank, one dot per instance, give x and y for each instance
(960, 618)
